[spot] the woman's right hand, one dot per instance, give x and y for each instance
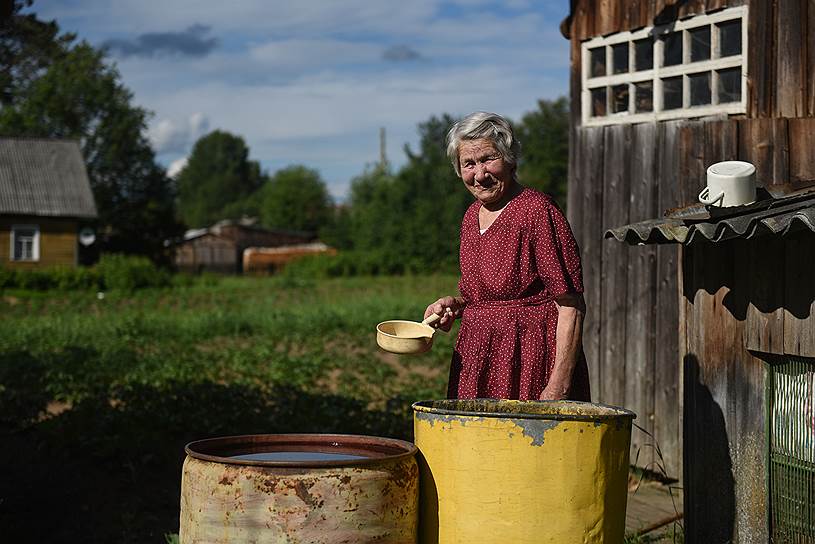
(449, 308)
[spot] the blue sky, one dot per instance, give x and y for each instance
(312, 81)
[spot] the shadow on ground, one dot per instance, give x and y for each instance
(108, 468)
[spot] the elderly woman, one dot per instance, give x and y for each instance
(521, 304)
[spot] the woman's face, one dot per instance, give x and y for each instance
(483, 170)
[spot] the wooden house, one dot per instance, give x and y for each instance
(220, 248)
(692, 330)
(45, 197)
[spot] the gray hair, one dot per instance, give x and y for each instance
(483, 125)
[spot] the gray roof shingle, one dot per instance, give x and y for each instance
(44, 177)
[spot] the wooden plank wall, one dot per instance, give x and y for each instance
(631, 333)
(58, 241)
(725, 465)
(736, 308)
(781, 51)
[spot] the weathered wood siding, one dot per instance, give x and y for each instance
(734, 303)
(631, 329)
(781, 59)
(626, 173)
(58, 241)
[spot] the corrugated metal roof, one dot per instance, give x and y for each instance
(44, 177)
(773, 217)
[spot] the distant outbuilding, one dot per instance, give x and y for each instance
(45, 199)
(220, 248)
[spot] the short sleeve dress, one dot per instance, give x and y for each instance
(510, 276)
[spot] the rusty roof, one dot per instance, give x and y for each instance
(45, 178)
(767, 217)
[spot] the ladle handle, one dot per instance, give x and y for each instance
(432, 318)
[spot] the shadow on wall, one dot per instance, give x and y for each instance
(764, 272)
(710, 500)
(107, 467)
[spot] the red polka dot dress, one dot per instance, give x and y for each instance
(510, 276)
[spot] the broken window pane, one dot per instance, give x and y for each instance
(730, 38)
(598, 102)
(672, 93)
(729, 85)
(699, 44)
(644, 96)
(598, 62)
(644, 54)
(673, 49)
(700, 89)
(619, 56)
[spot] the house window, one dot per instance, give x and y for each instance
(25, 243)
(689, 68)
(791, 442)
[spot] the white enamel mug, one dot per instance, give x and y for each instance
(729, 183)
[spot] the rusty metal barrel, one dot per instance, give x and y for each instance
(522, 471)
(297, 488)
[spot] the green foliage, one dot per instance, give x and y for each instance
(295, 198)
(128, 273)
(57, 278)
(408, 221)
(359, 263)
(544, 137)
(218, 181)
(99, 397)
(27, 47)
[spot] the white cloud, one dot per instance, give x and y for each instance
(168, 136)
(177, 166)
(306, 82)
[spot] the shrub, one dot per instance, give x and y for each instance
(128, 272)
(382, 262)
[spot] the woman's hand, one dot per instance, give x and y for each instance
(449, 308)
(555, 391)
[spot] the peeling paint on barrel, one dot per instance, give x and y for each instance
(373, 501)
(521, 471)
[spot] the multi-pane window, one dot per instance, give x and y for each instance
(25, 243)
(689, 68)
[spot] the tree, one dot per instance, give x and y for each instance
(296, 198)
(544, 136)
(411, 219)
(79, 96)
(219, 181)
(28, 46)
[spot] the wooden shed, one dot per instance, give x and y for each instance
(45, 197)
(747, 346)
(660, 90)
(220, 248)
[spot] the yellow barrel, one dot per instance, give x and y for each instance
(521, 471)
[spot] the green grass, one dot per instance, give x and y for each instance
(98, 396)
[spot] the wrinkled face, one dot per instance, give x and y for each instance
(483, 170)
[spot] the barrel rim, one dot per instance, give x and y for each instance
(422, 406)
(381, 444)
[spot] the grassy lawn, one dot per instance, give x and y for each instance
(99, 396)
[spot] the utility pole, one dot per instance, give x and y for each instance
(383, 158)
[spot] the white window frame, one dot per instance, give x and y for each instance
(658, 72)
(35, 245)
